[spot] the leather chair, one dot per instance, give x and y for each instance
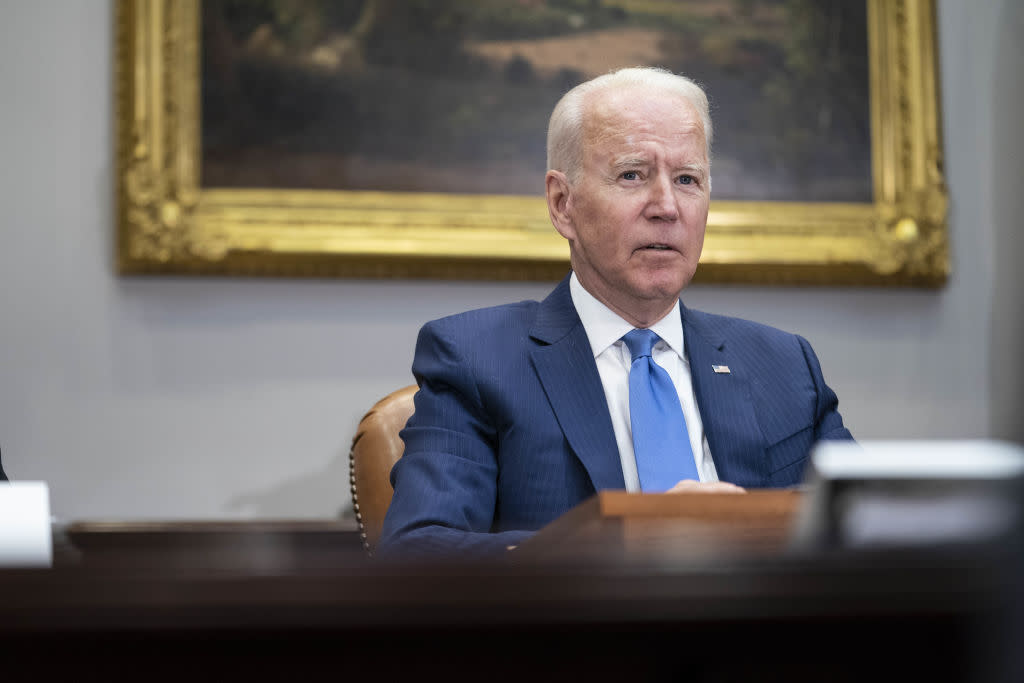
(375, 449)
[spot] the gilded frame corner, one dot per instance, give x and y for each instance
(167, 223)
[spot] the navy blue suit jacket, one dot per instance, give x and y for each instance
(512, 428)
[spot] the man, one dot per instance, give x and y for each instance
(524, 410)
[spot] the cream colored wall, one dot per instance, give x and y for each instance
(200, 398)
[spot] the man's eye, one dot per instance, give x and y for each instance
(687, 180)
(630, 175)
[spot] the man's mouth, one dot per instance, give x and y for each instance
(658, 247)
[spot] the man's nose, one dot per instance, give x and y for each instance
(661, 204)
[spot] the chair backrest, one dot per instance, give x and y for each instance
(375, 449)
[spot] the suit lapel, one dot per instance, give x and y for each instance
(565, 365)
(724, 399)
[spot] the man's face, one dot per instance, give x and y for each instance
(636, 214)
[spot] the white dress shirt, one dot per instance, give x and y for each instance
(604, 330)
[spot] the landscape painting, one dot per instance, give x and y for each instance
(453, 96)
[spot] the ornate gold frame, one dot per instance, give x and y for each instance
(168, 224)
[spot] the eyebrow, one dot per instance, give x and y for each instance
(630, 161)
(695, 169)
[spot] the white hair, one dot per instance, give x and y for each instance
(565, 128)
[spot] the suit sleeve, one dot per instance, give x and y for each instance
(828, 423)
(445, 483)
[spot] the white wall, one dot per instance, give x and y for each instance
(218, 398)
(1007, 335)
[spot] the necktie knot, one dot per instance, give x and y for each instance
(640, 342)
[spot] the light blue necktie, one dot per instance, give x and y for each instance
(660, 440)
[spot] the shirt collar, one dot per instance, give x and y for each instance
(604, 327)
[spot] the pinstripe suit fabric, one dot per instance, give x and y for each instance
(511, 427)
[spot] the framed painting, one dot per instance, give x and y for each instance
(378, 138)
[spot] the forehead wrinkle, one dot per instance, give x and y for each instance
(631, 159)
(605, 123)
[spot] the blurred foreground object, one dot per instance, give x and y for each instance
(25, 538)
(966, 496)
(887, 493)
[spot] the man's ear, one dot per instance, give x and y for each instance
(556, 187)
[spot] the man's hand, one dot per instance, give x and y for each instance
(693, 486)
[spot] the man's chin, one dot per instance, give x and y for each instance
(667, 285)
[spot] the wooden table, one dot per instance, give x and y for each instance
(246, 546)
(670, 527)
(143, 603)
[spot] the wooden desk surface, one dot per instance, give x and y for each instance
(279, 600)
(676, 528)
(836, 617)
(246, 546)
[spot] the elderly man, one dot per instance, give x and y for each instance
(525, 410)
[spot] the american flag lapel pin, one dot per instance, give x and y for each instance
(720, 369)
